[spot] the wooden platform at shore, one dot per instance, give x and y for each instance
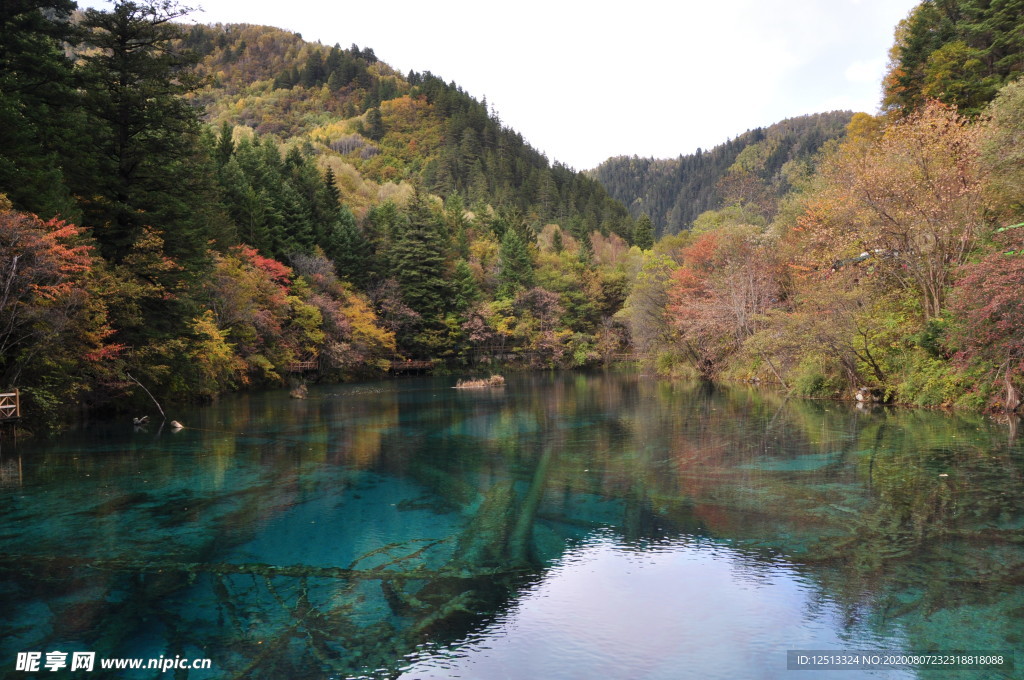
(10, 407)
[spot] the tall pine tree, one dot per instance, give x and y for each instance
(516, 265)
(418, 262)
(351, 252)
(643, 233)
(145, 132)
(38, 115)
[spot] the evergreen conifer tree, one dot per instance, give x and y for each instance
(643, 233)
(225, 143)
(294, 233)
(145, 132)
(374, 124)
(418, 262)
(465, 290)
(351, 252)
(37, 104)
(331, 183)
(586, 254)
(556, 241)
(516, 265)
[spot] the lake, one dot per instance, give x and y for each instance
(567, 525)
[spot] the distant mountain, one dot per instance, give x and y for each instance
(753, 168)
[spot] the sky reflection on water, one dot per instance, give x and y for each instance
(684, 608)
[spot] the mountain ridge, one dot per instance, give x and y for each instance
(749, 168)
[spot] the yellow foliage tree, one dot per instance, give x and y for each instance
(913, 201)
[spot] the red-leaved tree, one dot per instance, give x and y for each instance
(54, 330)
(988, 305)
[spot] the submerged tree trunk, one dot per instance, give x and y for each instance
(519, 542)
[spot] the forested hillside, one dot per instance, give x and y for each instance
(755, 169)
(371, 124)
(191, 210)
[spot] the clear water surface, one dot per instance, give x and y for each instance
(570, 525)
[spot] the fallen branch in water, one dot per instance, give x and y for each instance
(32, 563)
(158, 407)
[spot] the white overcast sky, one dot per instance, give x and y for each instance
(583, 81)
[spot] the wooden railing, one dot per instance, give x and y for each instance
(302, 366)
(628, 356)
(407, 365)
(10, 405)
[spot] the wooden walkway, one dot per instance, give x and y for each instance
(398, 365)
(410, 365)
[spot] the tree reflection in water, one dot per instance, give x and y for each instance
(347, 533)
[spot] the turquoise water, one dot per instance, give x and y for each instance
(564, 526)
